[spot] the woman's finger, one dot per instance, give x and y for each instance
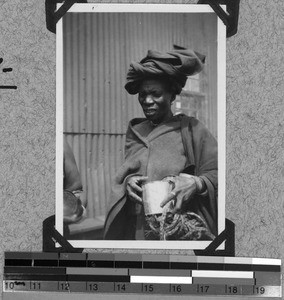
(177, 205)
(172, 195)
(135, 197)
(136, 187)
(142, 178)
(136, 181)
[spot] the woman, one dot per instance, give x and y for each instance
(163, 146)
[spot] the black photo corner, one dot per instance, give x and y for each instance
(229, 18)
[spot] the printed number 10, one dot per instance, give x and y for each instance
(9, 285)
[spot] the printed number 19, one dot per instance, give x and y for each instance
(259, 290)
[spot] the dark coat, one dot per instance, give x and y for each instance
(201, 153)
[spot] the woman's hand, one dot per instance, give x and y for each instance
(185, 187)
(133, 188)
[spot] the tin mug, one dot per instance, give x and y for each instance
(154, 193)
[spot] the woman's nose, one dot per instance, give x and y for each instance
(148, 99)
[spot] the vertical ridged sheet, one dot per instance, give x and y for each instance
(98, 49)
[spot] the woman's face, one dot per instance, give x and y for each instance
(155, 99)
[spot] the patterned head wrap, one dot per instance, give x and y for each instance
(175, 65)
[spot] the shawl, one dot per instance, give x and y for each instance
(176, 65)
(201, 152)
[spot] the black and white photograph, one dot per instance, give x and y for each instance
(140, 126)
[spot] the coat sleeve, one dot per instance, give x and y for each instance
(119, 225)
(202, 152)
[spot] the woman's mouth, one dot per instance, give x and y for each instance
(149, 111)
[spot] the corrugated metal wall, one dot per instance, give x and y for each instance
(98, 49)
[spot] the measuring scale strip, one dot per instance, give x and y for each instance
(143, 260)
(137, 265)
(154, 288)
(124, 275)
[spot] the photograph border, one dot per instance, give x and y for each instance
(221, 117)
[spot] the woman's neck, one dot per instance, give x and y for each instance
(164, 120)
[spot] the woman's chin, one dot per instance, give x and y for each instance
(151, 116)
(153, 120)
